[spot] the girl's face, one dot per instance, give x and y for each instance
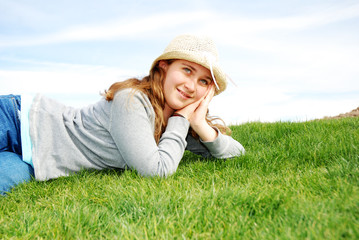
(185, 83)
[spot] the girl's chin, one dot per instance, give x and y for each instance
(178, 106)
(175, 107)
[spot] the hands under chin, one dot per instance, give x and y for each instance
(196, 113)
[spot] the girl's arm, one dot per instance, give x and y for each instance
(222, 147)
(132, 128)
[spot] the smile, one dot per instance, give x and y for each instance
(183, 94)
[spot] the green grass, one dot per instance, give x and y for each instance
(296, 181)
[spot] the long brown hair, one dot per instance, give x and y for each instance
(152, 86)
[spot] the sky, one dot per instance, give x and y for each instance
(289, 60)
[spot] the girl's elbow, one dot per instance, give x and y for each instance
(160, 172)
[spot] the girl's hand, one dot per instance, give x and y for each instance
(196, 115)
(199, 115)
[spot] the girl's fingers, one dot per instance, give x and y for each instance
(203, 106)
(209, 95)
(211, 92)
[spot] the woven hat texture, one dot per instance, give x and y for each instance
(197, 49)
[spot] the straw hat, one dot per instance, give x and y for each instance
(197, 49)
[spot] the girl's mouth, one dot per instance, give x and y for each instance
(184, 94)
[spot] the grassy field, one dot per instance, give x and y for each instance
(296, 181)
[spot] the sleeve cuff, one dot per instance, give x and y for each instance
(179, 125)
(217, 144)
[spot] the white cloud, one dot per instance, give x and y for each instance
(111, 30)
(61, 78)
(274, 104)
(228, 29)
(250, 33)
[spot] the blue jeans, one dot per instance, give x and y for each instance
(12, 169)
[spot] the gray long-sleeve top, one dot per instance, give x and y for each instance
(115, 134)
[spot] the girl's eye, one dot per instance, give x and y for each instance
(204, 82)
(187, 70)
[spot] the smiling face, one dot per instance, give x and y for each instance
(185, 83)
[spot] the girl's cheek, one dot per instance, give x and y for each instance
(203, 92)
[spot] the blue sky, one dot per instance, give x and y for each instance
(290, 60)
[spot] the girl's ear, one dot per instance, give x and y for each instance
(163, 64)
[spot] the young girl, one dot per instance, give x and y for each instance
(144, 125)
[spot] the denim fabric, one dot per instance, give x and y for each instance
(10, 135)
(12, 169)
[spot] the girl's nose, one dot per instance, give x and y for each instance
(190, 85)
